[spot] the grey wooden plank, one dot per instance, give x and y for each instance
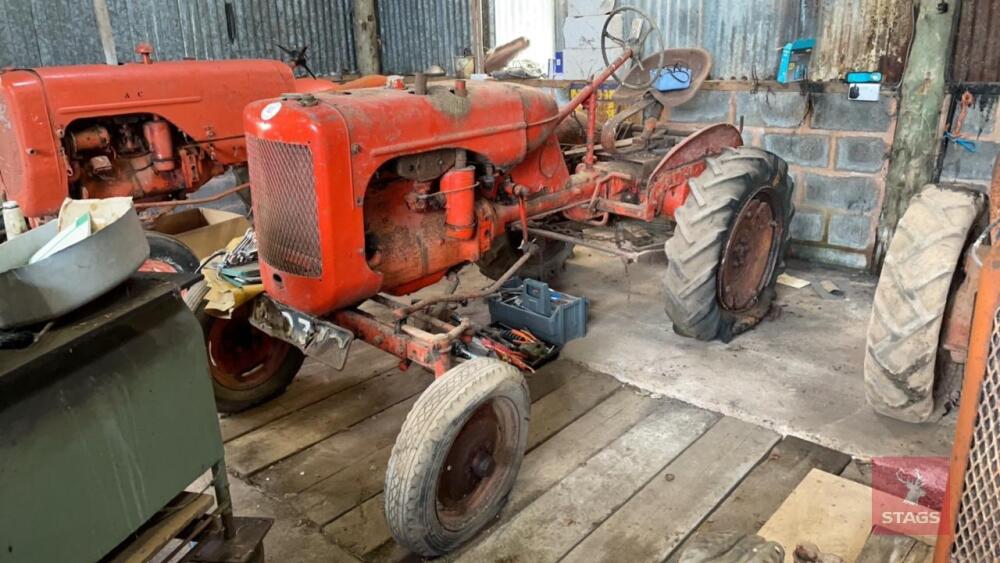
(558, 456)
(921, 553)
(282, 438)
(655, 521)
(335, 453)
(363, 528)
(550, 526)
(314, 383)
(888, 548)
(749, 506)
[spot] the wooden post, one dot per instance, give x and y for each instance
(366, 38)
(922, 94)
(478, 35)
(105, 31)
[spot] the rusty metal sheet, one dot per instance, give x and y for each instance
(977, 46)
(862, 35)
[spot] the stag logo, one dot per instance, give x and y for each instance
(914, 486)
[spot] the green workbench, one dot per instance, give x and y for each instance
(102, 422)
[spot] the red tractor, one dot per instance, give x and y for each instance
(152, 131)
(385, 191)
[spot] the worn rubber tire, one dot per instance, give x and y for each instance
(229, 400)
(703, 226)
(910, 300)
(548, 265)
(170, 251)
(423, 444)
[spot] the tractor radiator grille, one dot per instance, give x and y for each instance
(977, 533)
(284, 206)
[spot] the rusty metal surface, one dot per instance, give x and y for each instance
(977, 46)
(750, 254)
(863, 35)
(64, 32)
(284, 205)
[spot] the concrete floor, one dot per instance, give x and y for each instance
(800, 374)
(314, 458)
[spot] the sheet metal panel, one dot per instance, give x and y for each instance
(62, 32)
(744, 36)
(864, 35)
(419, 33)
(977, 46)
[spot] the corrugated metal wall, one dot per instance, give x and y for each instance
(60, 32)
(864, 35)
(977, 46)
(743, 36)
(419, 33)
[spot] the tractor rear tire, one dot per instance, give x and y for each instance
(911, 298)
(546, 266)
(235, 389)
(457, 456)
(732, 181)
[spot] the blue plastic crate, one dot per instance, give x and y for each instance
(529, 304)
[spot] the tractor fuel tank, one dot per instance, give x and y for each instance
(313, 157)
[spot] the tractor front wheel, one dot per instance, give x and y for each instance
(729, 244)
(457, 456)
(247, 366)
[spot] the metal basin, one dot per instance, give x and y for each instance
(70, 278)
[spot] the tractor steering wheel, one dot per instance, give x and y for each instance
(642, 26)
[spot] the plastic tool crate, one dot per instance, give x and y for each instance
(529, 304)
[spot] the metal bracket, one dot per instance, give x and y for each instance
(317, 338)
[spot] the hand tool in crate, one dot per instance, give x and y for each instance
(527, 304)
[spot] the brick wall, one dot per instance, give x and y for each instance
(837, 152)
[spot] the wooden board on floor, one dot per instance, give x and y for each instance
(760, 494)
(286, 436)
(553, 524)
(827, 510)
(657, 519)
(314, 383)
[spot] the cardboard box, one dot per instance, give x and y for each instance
(204, 230)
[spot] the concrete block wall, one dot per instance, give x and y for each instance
(980, 126)
(837, 152)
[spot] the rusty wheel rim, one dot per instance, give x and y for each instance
(241, 357)
(751, 252)
(477, 468)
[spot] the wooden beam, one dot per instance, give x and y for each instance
(105, 31)
(922, 94)
(366, 36)
(478, 35)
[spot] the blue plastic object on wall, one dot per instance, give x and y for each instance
(794, 61)
(671, 78)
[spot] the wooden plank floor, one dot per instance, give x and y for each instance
(610, 473)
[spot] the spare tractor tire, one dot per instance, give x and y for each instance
(729, 245)
(247, 367)
(910, 300)
(545, 266)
